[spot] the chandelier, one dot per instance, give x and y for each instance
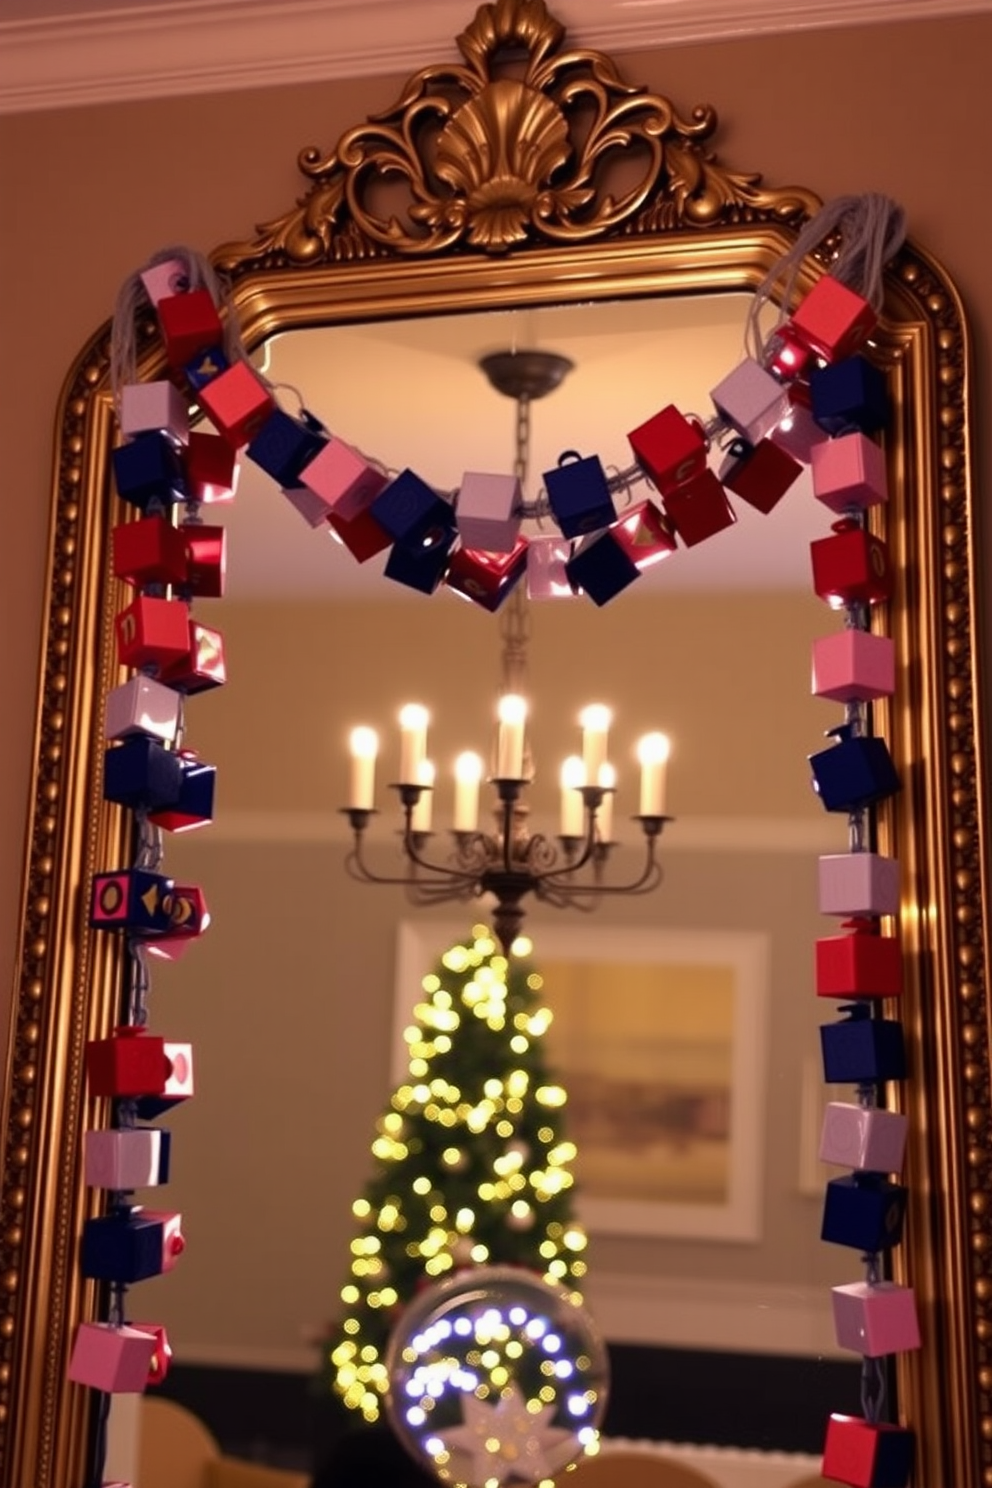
(508, 862)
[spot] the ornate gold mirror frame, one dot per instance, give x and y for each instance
(504, 163)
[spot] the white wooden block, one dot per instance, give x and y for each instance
(163, 280)
(860, 883)
(867, 1141)
(154, 407)
(123, 1160)
(751, 400)
(487, 511)
(142, 706)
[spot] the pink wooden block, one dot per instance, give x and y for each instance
(125, 1159)
(752, 400)
(849, 472)
(546, 576)
(142, 706)
(868, 1141)
(163, 280)
(875, 1319)
(110, 1358)
(314, 509)
(347, 483)
(487, 511)
(150, 407)
(853, 666)
(798, 433)
(860, 883)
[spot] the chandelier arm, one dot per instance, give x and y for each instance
(649, 879)
(440, 870)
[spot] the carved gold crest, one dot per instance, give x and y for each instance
(513, 146)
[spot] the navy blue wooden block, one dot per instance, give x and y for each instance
(849, 395)
(147, 471)
(422, 566)
(854, 773)
(864, 1211)
(140, 772)
(193, 803)
(601, 567)
(408, 508)
(863, 1050)
(284, 446)
(164, 1155)
(579, 495)
(134, 899)
(123, 1247)
(208, 365)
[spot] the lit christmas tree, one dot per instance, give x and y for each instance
(472, 1164)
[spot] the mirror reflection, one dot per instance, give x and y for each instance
(706, 1273)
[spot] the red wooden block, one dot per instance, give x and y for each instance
(670, 448)
(362, 536)
(130, 1062)
(789, 357)
(487, 578)
(851, 566)
(206, 560)
(762, 475)
(202, 663)
(210, 468)
(699, 509)
(645, 535)
(189, 324)
(865, 1454)
(861, 964)
(152, 632)
(832, 320)
(158, 1367)
(150, 551)
(237, 403)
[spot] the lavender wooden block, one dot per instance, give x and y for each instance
(751, 400)
(142, 706)
(488, 511)
(860, 883)
(869, 1140)
(154, 407)
(875, 1319)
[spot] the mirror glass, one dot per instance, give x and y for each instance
(294, 996)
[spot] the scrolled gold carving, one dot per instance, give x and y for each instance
(494, 157)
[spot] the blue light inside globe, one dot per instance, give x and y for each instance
(496, 1377)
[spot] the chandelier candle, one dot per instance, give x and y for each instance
(573, 778)
(420, 817)
(595, 721)
(512, 715)
(604, 819)
(413, 743)
(653, 752)
(468, 774)
(364, 744)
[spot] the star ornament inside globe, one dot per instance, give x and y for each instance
(507, 1443)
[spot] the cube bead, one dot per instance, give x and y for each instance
(699, 509)
(150, 551)
(131, 1246)
(206, 560)
(152, 632)
(864, 1212)
(141, 772)
(283, 445)
(760, 474)
(546, 575)
(832, 320)
(178, 1084)
(408, 509)
(189, 324)
(237, 403)
(670, 449)
(861, 883)
(202, 663)
(579, 495)
(854, 666)
(861, 964)
(854, 773)
(849, 472)
(849, 395)
(154, 407)
(867, 1139)
(488, 511)
(867, 1454)
(131, 1062)
(111, 1357)
(486, 578)
(205, 366)
(645, 535)
(343, 480)
(165, 279)
(129, 1158)
(423, 566)
(798, 433)
(313, 508)
(142, 706)
(362, 535)
(875, 1319)
(862, 1050)
(210, 468)
(751, 400)
(132, 899)
(851, 566)
(601, 567)
(148, 471)
(192, 804)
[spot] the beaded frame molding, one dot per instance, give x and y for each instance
(544, 227)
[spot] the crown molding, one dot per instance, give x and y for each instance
(73, 54)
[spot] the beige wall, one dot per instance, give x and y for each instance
(86, 195)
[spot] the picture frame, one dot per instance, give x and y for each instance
(673, 1147)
